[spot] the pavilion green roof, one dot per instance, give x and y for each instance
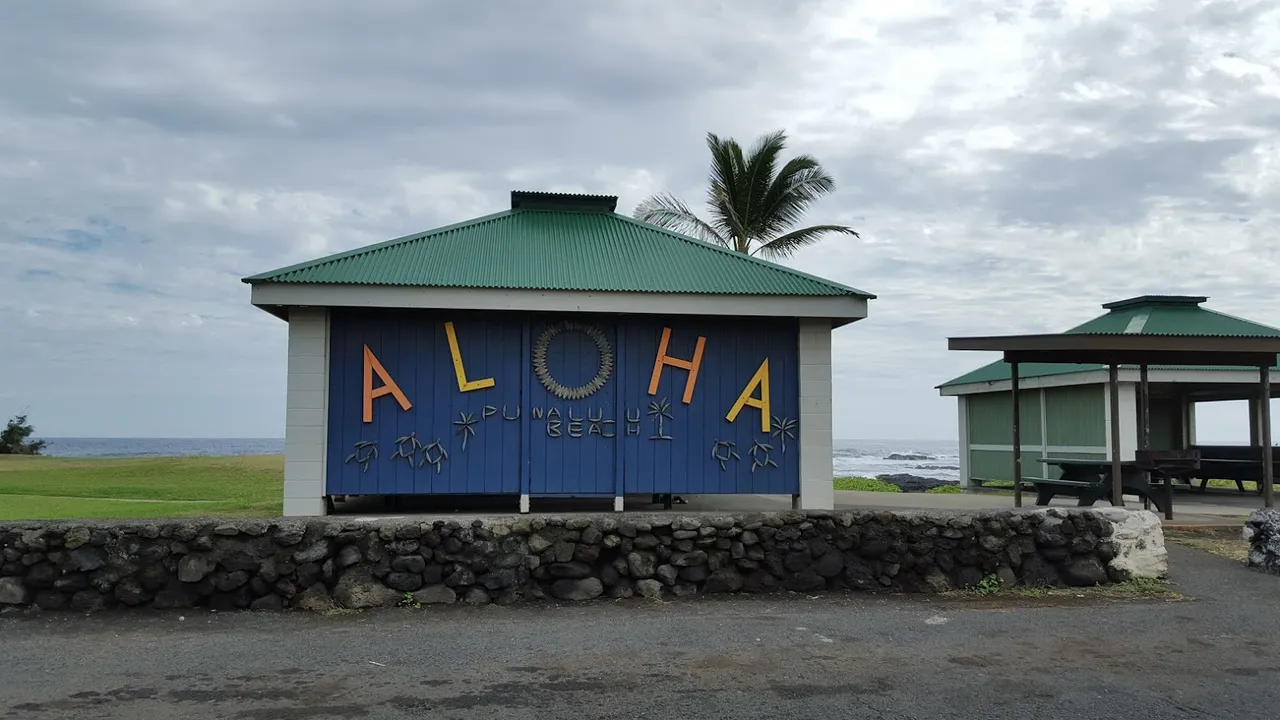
(1144, 315)
(552, 241)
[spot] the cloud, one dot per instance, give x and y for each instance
(1011, 166)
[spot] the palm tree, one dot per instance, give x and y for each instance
(753, 203)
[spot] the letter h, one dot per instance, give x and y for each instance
(690, 365)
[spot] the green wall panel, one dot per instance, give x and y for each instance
(991, 464)
(1076, 416)
(991, 418)
(1166, 423)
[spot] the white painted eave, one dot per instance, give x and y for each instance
(1095, 377)
(278, 298)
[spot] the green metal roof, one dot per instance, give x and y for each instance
(1145, 315)
(550, 241)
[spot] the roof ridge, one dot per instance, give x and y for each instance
(366, 249)
(743, 256)
(1237, 318)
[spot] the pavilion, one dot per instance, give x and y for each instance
(1162, 352)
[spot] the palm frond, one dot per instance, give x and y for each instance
(786, 245)
(758, 176)
(725, 194)
(670, 213)
(799, 183)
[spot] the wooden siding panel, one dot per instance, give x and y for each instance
(1076, 415)
(733, 353)
(414, 350)
(535, 451)
(991, 418)
(1166, 423)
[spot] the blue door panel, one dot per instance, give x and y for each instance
(572, 439)
(692, 448)
(568, 412)
(448, 441)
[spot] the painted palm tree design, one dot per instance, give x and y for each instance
(658, 410)
(784, 429)
(466, 427)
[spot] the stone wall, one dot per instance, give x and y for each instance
(325, 563)
(1262, 532)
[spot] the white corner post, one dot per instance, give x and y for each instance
(817, 488)
(962, 426)
(1128, 421)
(306, 412)
(1128, 412)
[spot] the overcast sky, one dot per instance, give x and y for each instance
(1011, 166)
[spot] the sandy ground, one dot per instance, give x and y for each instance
(1208, 655)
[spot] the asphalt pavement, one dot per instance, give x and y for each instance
(1214, 654)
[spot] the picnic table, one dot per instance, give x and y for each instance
(1091, 481)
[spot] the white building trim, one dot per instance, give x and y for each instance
(835, 310)
(962, 408)
(306, 422)
(817, 489)
(1128, 420)
(1044, 426)
(1049, 450)
(1093, 377)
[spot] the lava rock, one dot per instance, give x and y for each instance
(357, 588)
(193, 568)
(641, 564)
(1084, 571)
(409, 564)
(724, 580)
(570, 570)
(688, 559)
(1036, 571)
(649, 588)
(13, 592)
(267, 602)
(436, 595)
(667, 574)
(914, 483)
(404, 581)
(314, 599)
(577, 589)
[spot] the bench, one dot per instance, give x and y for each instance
(1088, 491)
(1237, 463)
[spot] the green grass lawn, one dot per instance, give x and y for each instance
(38, 488)
(873, 485)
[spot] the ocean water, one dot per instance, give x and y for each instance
(152, 447)
(867, 458)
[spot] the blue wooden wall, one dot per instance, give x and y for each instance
(516, 436)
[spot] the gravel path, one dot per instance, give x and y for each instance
(1210, 656)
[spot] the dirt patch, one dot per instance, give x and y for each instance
(1226, 542)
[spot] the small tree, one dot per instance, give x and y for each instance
(13, 441)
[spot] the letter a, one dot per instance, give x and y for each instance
(464, 385)
(761, 378)
(690, 365)
(389, 386)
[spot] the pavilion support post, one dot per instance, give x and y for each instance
(1267, 471)
(1117, 489)
(1144, 424)
(1017, 436)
